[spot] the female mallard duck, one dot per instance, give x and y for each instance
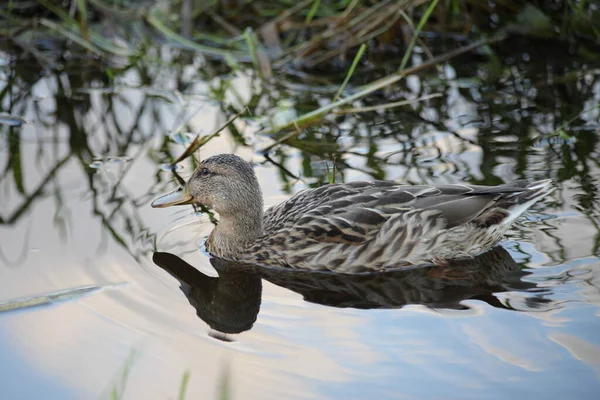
(353, 227)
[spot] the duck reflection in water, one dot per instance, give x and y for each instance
(230, 303)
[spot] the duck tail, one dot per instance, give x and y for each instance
(517, 203)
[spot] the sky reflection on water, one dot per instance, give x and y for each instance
(76, 185)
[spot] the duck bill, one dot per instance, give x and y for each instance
(175, 198)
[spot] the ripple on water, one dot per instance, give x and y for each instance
(110, 160)
(480, 332)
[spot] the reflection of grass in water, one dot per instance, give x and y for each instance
(306, 35)
(317, 115)
(311, 32)
(117, 390)
(308, 31)
(563, 130)
(224, 391)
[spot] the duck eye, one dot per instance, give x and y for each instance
(205, 171)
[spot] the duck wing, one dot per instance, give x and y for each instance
(348, 213)
(485, 205)
(354, 213)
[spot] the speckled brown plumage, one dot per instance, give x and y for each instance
(358, 226)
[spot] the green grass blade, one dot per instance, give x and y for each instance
(97, 40)
(251, 43)
(170, 34)
(224, 391)
(416, 33)
(313, 116)
(117, 392)
(357, 58)
(70, 35)
(312, 11)
(386, 106)
(83, 15)
(183, 387)
(56, 10)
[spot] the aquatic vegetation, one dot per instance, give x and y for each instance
(100, 99)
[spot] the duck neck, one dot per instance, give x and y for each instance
(235, 233)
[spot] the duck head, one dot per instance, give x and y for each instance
(225, 183)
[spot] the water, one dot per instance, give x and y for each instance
(89, 305)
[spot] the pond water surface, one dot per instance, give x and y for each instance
(90, 306)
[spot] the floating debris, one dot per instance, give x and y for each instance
(590, 127)
(12, 120)
(97, 164)
(169, 167)
(183, 138)
(52, 298)
(118, 160)
(101, 162)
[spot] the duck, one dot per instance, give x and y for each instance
(354, 227)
